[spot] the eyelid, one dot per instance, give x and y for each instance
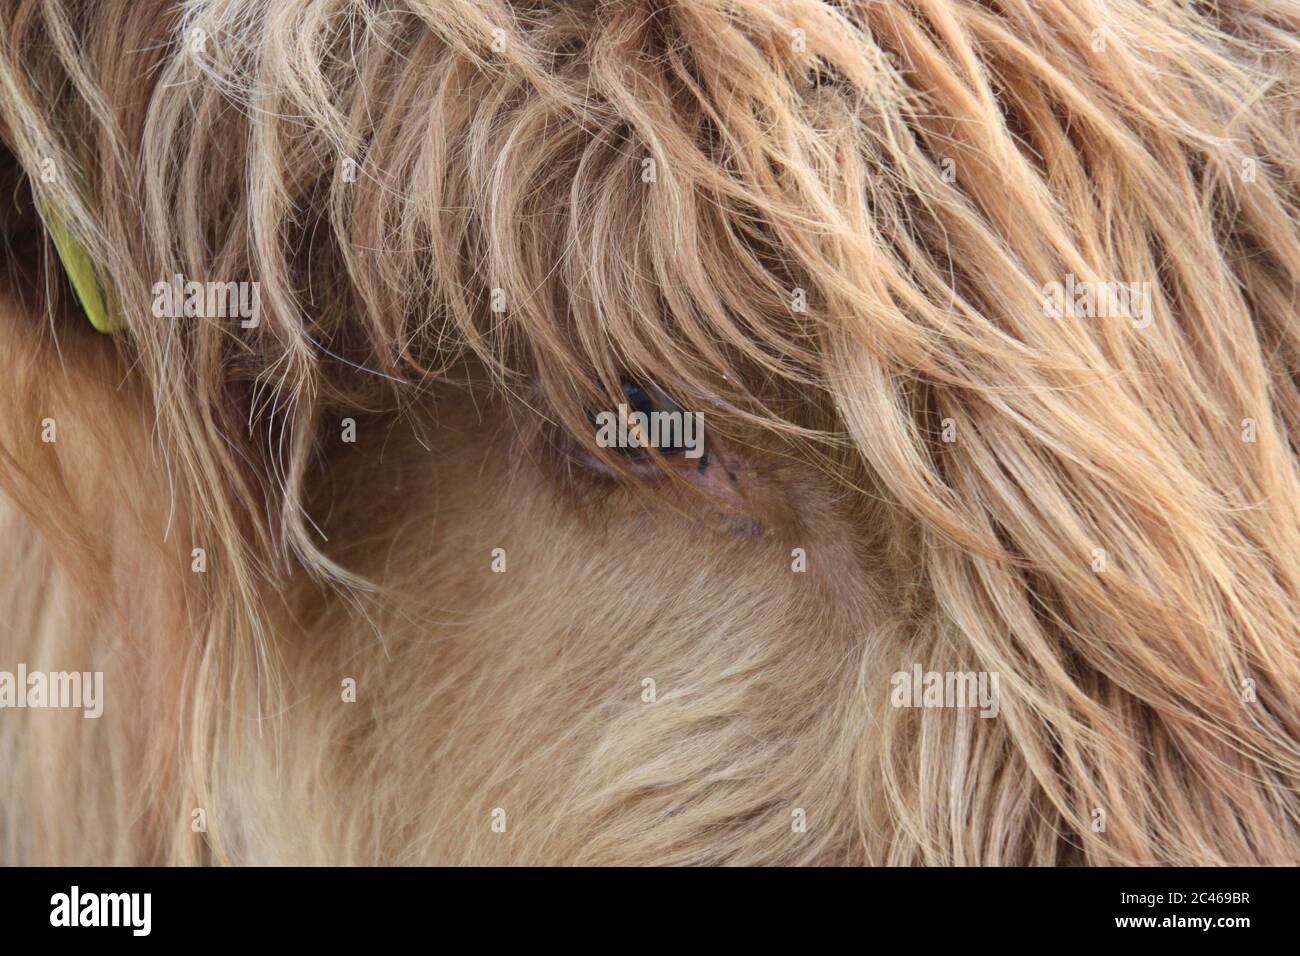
(656, 396)
(646, 399)
(645, 451)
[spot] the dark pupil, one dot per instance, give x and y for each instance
(647, 400)
(638, 399)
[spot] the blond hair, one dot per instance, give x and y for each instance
(833, 225)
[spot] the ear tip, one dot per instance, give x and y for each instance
(80, 269)
(101, 322)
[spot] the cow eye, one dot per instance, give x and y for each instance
(668, 430)
(648, 421)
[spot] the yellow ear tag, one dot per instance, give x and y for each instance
(80, 270)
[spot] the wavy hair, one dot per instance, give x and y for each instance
(832, 224)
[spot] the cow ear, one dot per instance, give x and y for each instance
(79, 268)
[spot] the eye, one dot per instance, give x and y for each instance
(654, 420)
(648, 419)
(657, 439)
(639, 398)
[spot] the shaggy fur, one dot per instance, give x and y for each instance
(471, 222)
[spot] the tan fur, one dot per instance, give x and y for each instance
(784, 161)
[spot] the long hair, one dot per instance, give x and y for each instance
(1019, 278)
